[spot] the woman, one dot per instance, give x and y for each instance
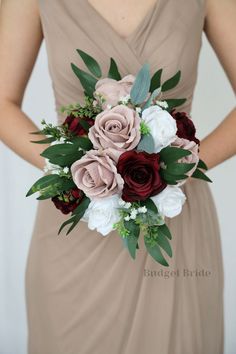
(84, 293)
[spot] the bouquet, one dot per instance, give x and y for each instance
(118, 160)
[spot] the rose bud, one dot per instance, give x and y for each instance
(74, 125)
(185, 126)
(69, 201)
(140, 172)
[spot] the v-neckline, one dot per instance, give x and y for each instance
(126, 39)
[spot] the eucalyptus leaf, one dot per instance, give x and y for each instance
(146, 144)
(87, 81)
(141, 85)
(91, 63)
(172, 82)
(151, 98)
(156, 80)
(113, 71)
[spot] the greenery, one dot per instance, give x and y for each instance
(144, 128)
(77, 214)
(88, 109)
(146, 144)
(141, 86)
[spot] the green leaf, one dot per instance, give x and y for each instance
(141, 85)
(167, 177)
(67, 222)
(44, 141)
(172, 82)
(59, 149)
(171, 154)
(151, 98)
(47, 195)
(146, 144)
(172, 103)
(132, 238)
(82, 142)
(66, 161)
(77, 215)
(40, 132)
(150, 205)
(179, 168)
(165, 231)
(87, 81)
(81, 208)
(201, 175)
(63, 185)
(155, 252)
(156, 80)
(67, 184)
(84, 124)
(113, 71)
(43, 183)
(201, 164)
(164, 243)
(91, 63)
(64, 154)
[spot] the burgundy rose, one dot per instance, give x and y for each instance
(140, 172)
(69, 201)
(185, 126)
(75, 126)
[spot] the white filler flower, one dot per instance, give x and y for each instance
(102, 214)
(170, 201)
(162, 126)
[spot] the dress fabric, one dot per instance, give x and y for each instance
(84, 293)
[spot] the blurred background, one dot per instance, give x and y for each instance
(214, 98)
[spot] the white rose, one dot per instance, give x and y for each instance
(162, 126)
(170, 201)
(102, 214)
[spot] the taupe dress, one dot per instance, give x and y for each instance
(84, 293)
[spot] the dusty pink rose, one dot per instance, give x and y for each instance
(112, 91)
(191, 146)
(117, 128)
(96, 174)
